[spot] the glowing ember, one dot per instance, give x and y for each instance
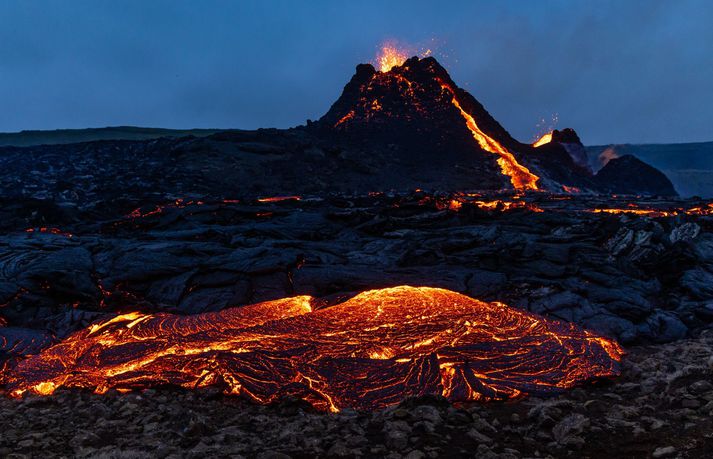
(520, 177)
(547, 138)
(368, 352)
(389, 57)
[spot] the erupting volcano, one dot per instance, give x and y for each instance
(415, 103)
(428, 123)
(370, 351)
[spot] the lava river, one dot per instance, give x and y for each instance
(368, 352)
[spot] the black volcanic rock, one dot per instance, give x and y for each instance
(630, 175)
(569, 140)
(566, 135)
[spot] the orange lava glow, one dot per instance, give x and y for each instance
(456, 202)
(637, 211)
(367, 352)
(43, 229)
(345, 118)
(280, 198)
(547, 138)
(389, 57)
(705, 209)
(177, 204)
(507, 205)
(571, 189)
(520, 177)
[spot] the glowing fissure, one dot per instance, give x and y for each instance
(368, 352)
(520, 177)
(547, 138)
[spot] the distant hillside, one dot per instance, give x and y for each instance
(688, 165)
(63, 136)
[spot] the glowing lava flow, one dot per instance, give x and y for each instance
(520, 177)
(547, 138)
(368, 352)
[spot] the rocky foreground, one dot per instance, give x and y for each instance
(661, 406)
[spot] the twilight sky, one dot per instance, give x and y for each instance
(616, 71)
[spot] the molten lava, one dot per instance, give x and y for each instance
(520, 177)
(547, 138)
(389, 57)
(368, 352)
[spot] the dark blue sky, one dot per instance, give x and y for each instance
(616, 71)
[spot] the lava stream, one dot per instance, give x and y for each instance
(547, 138)
(368, 352)
(520, 177)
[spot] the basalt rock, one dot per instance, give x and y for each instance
(630, 175)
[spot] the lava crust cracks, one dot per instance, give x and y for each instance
(367, 352)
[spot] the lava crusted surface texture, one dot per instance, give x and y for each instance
(369, 352)
(661, 406)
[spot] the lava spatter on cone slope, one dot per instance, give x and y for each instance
(368, 352)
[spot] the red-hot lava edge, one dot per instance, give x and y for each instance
(368, 352)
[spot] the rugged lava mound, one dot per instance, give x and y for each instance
(368, 352)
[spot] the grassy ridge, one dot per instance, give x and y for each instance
(688, 165)
(62, 136)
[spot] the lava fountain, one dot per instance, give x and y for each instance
(389, 57)
(367, 352)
